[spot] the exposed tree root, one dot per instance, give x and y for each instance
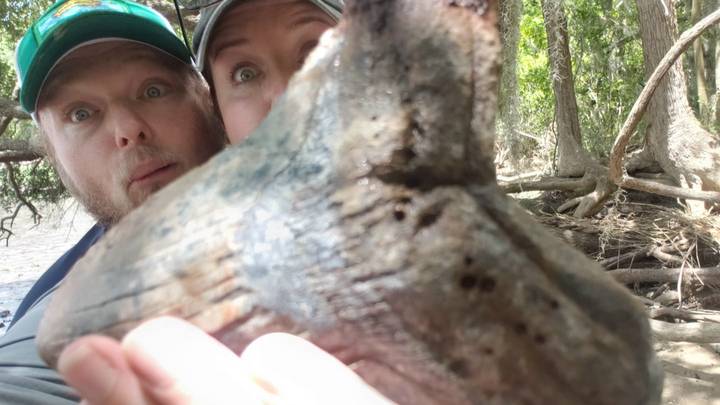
(611, 262)
(522, 177)
(548, 184)
(591, 203)
(586, 205)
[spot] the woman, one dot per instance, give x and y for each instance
(248, 50)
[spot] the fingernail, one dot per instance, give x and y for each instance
(92, 375)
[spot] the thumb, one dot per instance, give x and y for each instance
(298, 372)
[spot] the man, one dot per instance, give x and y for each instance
(122, 113)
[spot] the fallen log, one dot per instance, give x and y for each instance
(709, 275)
(696, 332)
(364, 216)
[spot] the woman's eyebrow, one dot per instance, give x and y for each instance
(307, 19)
(229, 43)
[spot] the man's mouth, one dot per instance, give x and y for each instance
(151, 172)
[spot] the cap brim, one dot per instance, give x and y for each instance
(89, 28)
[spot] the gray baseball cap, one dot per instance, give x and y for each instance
(210, 15)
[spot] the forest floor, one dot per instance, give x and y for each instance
(627, 233)
(637, 231)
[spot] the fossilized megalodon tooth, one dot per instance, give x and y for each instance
(364, 216)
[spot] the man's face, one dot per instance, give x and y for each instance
(121, 122)
(254, 50)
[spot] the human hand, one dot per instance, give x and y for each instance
(167, 361)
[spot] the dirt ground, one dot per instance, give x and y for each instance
(33, 248)
(692, 371)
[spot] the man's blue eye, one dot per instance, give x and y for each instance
(153, 92)
(80, 114)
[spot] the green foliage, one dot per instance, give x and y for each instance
(607, 61)
(537, 102)
(608, 64)
(38, 182)
(15, 18)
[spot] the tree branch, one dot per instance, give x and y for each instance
(547, 184)
(12, 109)
(686, 332)
(684, 314)
(19, 193)
(630, 276)
(13, 156)
(6, 231)
(616, 171)
(656, 187)
(21, 145)
(4, 124)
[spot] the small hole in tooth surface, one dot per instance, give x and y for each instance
(468, 281)
(460, 368)
(521, 329)
(468, 261)
(399, 215)
(428, 218)
(487, 284)
(540, 339)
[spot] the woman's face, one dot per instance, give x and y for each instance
(255, 48)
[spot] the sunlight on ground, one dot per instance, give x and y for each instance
(33, 248)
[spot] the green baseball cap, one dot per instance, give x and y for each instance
(68, 24)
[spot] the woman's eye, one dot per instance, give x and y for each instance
(80, 114)
(244, 74)
(153, 91)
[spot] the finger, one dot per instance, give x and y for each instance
(300, 372)
(178, 363)
(96, 368)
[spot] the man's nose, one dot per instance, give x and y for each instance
(128, 124)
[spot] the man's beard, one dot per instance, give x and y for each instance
(109, 205)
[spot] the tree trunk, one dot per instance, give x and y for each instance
(716, 71)
(571, 159)
(699, 56)
(677, 141)
(509, 115)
